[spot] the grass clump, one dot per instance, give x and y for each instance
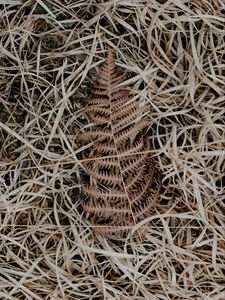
(50, 53)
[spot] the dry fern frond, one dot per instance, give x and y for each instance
(124, 184)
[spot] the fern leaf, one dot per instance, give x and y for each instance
(124, 183)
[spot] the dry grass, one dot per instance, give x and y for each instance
(173, 53)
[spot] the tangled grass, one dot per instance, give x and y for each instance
(173, 55)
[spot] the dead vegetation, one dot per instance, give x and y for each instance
(173, 56)
(121, 183)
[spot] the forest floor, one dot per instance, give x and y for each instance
(173, 57)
